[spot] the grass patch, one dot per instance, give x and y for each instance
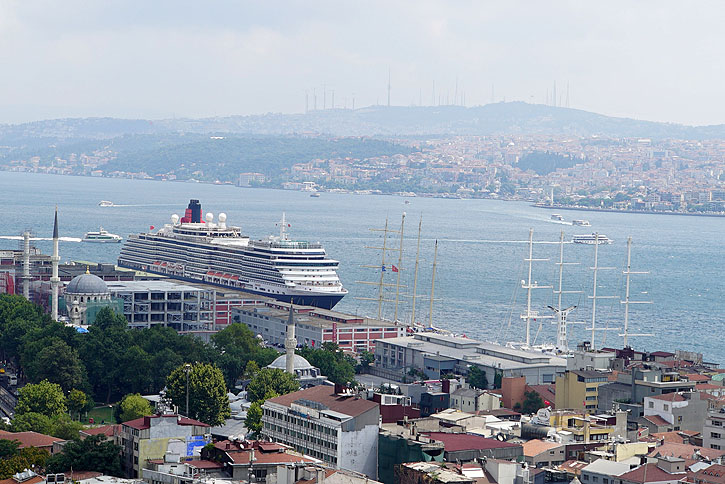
(100, 415)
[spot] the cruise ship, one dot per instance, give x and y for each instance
(215, 253)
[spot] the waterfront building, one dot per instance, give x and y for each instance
(397, 356)
(337, 427)
(183, 307)
(315, 326)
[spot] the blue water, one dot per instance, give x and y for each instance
(482, 244)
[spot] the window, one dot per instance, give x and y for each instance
(717, 423)
(595, 478)
(715, 435)
(666, 407)
(585, 477)
(715, 446)
(651, 405)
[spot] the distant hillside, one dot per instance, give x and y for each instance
(500, 118)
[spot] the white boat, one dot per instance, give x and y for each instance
(105, 203)
(581, 223)
(557, 217)
(315, 195)
(101, 236)
(592, 239)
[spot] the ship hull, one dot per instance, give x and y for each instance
(324, 301)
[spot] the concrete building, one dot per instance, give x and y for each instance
(151, 437)
(540, 453)
(315, 326)
(713, 431)
(681, 411)
(577, 389)
(399, 444)
(181, 306)
(474, 400)
(399, 355)
(603, 471)
(338, 428)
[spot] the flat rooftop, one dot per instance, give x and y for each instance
(313, 316)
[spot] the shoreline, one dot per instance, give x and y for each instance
(614, 210)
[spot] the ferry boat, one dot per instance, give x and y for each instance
(557, 217)
(105, 203)
(581, 223)
(315, 195)
(101, 236)
(216, 253)
(591, 239)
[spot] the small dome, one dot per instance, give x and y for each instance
(281, 363)
(87, 284)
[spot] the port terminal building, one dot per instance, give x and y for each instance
(315, 326)
(439, 354)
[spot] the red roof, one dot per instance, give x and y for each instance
(708, 386)
(324, 394)
(204, 464)
(714, 473)
(30, 439)
(670, 397)
(657, 420)
(649, 473)
(145, 422)
(697, 377)
(685, 451)
(107, 430)
(454, 442)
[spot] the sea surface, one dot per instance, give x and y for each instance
(480, 264)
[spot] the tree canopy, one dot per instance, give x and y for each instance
(333, 363)
(94, 453)
(208, 401)
(270, 382)
(133, 406)
(477, 378)
(44, 398)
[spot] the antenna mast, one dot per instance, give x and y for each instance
(529, 285)
(627, 301)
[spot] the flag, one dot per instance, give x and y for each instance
(383, 268)
(395, 269)
(151, 228)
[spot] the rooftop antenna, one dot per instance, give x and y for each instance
(567, 94)
(433, 103)
(594, 296)
(455, 92)
(627, 301)
(433, 285)
(553, 96)
(529, 285)
(307, 102)
(333, 99)
(314, 99)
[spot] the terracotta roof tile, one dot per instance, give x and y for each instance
(453, 442)
(536, 446)
(30, 439)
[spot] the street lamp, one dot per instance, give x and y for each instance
(187, 369)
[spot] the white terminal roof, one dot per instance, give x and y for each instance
(476, 352)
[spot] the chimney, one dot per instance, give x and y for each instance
(320, 476)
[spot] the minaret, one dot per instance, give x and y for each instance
(290, 343)
(55, 280)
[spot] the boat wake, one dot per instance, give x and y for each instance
(20, 237)
(483, 241)
(142, 205)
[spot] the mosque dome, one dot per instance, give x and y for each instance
(86, 284)
(281, 363)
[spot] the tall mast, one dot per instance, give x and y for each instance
(415, 277)
(400, 267)
(529, 285)
(627, 301)
(433, 285)
(382, 270)
(594, 296)
(562, 337)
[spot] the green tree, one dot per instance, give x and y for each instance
(333, 363)
(134, 406)
(271, 380)
(33, 421)
(56, 362)
(95, 453)
(237, 346)
(28, 458)
(208, 401)
(497, 380)
(532, 402)
(45, 398)
(251, 369)
(77, 401)
(9, 448)
(65, 428)
(366, 359)
(477, 378)
(253, 422)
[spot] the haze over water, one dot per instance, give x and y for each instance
(482, 244)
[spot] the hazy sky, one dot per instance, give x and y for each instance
(657, 60)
